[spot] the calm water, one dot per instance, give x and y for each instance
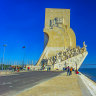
(89, 72)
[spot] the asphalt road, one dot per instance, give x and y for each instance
(13, 84)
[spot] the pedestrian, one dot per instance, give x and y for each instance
(68, 71)
(63, 69)
(17, 68)
(77, 72)
(71, 71)
(28, 68)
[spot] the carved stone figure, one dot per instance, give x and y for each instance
(57, 56)
(84, 46)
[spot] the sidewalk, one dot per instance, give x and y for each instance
(8, 72)
(4, 73)
(61, 85)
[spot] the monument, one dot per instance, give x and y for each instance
(59, 40)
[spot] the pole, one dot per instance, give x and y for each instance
(3, 55)
(24, 56)
(1, 63)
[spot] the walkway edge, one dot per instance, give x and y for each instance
(91, 86)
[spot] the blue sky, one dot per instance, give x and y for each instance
(22, 23)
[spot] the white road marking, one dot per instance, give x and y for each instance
(10, 86)
(6, 83)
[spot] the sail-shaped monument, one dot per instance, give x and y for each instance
(60, 48)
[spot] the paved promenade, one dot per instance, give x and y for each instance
(61, 85)
(20, 81)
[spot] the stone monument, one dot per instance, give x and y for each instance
(57, 32)
(60, 41)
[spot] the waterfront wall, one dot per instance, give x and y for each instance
(89, 84)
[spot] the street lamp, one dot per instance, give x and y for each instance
(3, 54)
(24, 56)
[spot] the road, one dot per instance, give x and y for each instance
(12, 84)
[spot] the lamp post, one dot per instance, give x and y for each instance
(3, 54)
(23, 56)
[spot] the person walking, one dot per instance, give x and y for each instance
(71, 71)
(28, 68)
(68, 71)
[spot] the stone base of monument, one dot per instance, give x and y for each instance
(74, 62)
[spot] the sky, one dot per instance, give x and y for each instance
(22, 24)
